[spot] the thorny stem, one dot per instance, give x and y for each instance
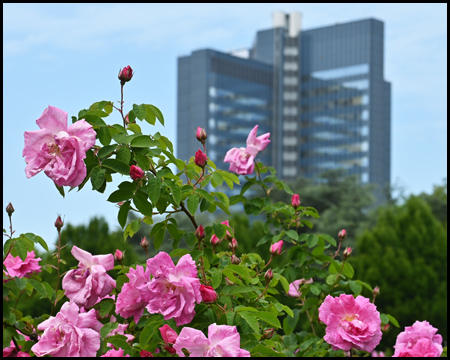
(200, 242)
(260, 296)
(121, 105)
(310, 322)
(339, 247)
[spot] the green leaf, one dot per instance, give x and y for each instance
(139, 111)
(117, 165)
(21, 248)
(251, 320)
(348, 270)
(142, 141)
(107, 328)
(142, 161)
(121, 342)
(264, 351)
(156, 112)
(176, 194)
(219, 230)
(393, 320)
(134, 128)
(37, 239)
(60, 189)
(384, 318)
(292, 234)
(315, 289)
(312, 240)
(216, 277)
(328, 239)
(192, 203)
(269, 318)
(107, 150)
(97, 177)
(216, 179)
(105, 306)
(123, 213)
(103, 135)
(123, 154)
(120, 195)
(179, 253)
(142, 204)
(21, 282)
(159, 237)
(355, 287)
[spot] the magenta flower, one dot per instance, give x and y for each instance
(136, 172)
(174, 290)
(57, 149)
(125, 74)
(169, 336)
(90, 281)
(223, 340)
(129, 301)
(208, 293)
(115, 353)
(294, 287)
(16, 267)
(241, 159)
(295, 201)
(275, 249)
(69, 333)
(419, 340)
(200, 158)
(351, 323)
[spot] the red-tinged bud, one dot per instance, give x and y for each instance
(125, 75)
(171, 349)
(342, 234)
(145, 353)
(208, 293)
(118, 256)
(376, 291)
(200, 158)
(385, 327)
(127, 119)
(169, 336)
(268, 275)
(201, 135)
(9, 209)
(267, 334)
(235, 260)
(136, 172)
(233, 245)
(275, 249)
(215, 240)
(121, 203)
(144, 243)
(228, 281)
(59, 223)
(347, 252)
(295, 200)
(200, 233)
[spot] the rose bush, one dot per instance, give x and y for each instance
(311, 306)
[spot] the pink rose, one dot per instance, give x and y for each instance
(208, 293)
(174, 290)
(90, 281)
(136, 172)
(200, 158)
(351, 323)
(419, 340)
(69, 333)
(295, 286)
(223, 340)
(57, 149)
(275, 249)
(115, 353)
(241, 159)
(129, 301)
(169, 336)
(11, 351)
(16, 267)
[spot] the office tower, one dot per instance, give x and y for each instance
(320, 93)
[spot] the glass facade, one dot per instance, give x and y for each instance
(321, 95)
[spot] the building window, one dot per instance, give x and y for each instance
(289, 156)
(290, 141)
(290, 66)
(289, 171)
(290, 80)
(290, 96)
(289, 126)
(290, 51)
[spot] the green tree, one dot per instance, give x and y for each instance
(405, 254)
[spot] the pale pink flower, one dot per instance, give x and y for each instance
(241, 159)
(129, 301)
(115, 353)
(69, 333)
(90, 281)
(419, 340)
(294, 287)
(351, 323)
(57, 149)
(174, 290)
(223, 340)
(16, 267)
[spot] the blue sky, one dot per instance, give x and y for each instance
(69, 55)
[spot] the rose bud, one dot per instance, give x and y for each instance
(169, 336)
(275, 249)
(201, 135)
(9, 209)
(145, 353)
(59, 223)
(235, 260)
(342, 234)
(125, 74)
(267, 334)
(200, 233)
(118, 256)
(200, 158)
(208, 293)
(268, 275)
(144, 242)
(228, 281)
(127, 120)
(376, 291)
(215, 240)
(295, 200)
(385, 327)
(136, 172)
(233, 245)
(347, 252)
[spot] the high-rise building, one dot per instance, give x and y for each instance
(320, 93)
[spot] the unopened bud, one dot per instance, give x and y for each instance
(233, 245)
(145, 353)
(215, 240)
(59, 223)
(268, 275)
(295, 201)
(385, 327)
(9, 209)
(200, 158)
(200, 233)
(144, 242)
(118, 256)
(201, 135)
(125, 74)
(275, 249)
(228, 281)
(267, 334)
(208, 293)
(136, 172)
(347, 252)
(127, 119)
(342, 234)
(376, 291)
(235, 260)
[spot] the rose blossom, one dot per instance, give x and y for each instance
(57, 149)
(115, 353)
(12, 351)
(16, 267)
(129, 301)
(223, 340)
(351, 323)
(69, 333)
(241, 159)
(208, 293)
(174, 290)
(90, 281)
(295, 286)
(419, 340)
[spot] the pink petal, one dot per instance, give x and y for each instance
(82, 256)
(84, 131)
(160, 264)
(193, 340)
(53, 119)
